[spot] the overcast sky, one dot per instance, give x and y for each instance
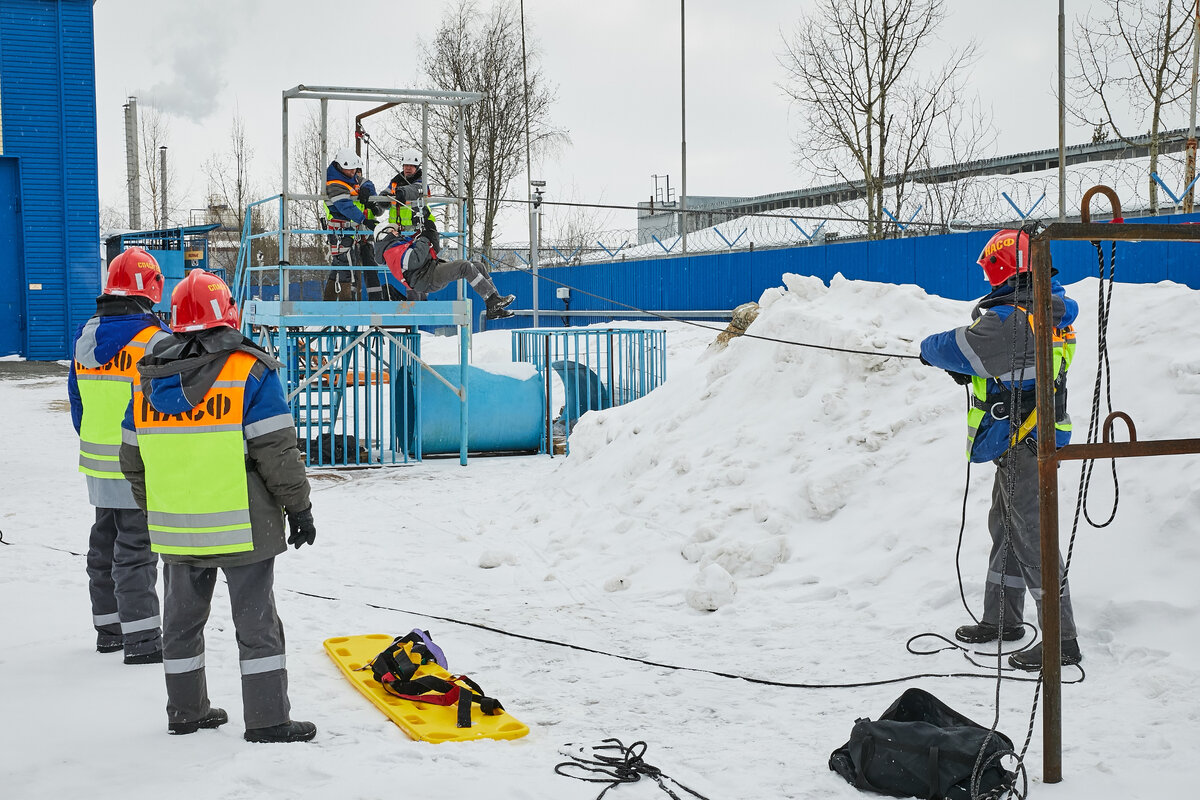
(616, 66)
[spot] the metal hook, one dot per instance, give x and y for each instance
(1085, 211)
(1108, 426)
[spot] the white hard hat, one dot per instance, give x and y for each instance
(347, 159)
(411, 157)
(385, 228)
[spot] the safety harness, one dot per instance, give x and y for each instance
(406, 668)
(1063, 340)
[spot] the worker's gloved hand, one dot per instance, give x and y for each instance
(959, 378)
(303, 530)
(364, 192)
(923, 361)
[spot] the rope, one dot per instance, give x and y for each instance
(669, 318)
(627, 767)
(1103, 376)
(662, 665)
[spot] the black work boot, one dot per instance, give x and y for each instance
(1031, 660)
(291, 731)
(497, 306)
(987, 632)
(109, 642)
(153, 657)
(215, 718)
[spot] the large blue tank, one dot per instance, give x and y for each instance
(504, 409)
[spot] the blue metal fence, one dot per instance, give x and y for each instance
(590, 370)
(354, 395)
(942, 265)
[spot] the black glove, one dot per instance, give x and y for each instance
(364, 193)
(302, 527)
(959, 378)
(923, 361)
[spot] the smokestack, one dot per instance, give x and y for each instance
(162, 182)
(132, 178)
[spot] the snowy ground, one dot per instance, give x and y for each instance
(824, 487)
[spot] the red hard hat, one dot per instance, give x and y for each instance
(134, 272)
(1005, 254)
(201, 301)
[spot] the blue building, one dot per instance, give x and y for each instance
(49, 197)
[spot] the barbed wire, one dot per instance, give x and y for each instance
(977, 203)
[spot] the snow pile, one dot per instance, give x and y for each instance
(766, 441)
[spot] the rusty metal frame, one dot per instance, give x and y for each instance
(1048, 458)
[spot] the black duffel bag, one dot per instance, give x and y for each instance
(920, 747)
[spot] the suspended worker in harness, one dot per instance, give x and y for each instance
(410, 257)
(995, 356)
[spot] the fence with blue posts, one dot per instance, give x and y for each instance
(589, 369)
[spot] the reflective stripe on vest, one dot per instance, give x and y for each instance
(353, 190)
(202, 446)
(104, 393)
(1063, 344)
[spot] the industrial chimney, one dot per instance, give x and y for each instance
(132, 179)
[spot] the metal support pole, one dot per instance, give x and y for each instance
(683, 217)
(283, 195)
(162, 184)
(464, 236)
(463, 346)
(424, 160)
(525, 89)
(1062, 113)
(534, 234)
(1190, 174)
(1047, 466)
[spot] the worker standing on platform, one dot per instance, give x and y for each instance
(347, 207)
(401, 213)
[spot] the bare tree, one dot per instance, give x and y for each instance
(871, 114)
(964, 134)
(474, 51)
(230, 191)
(1131, 67)
(308, 162)
(154, 132)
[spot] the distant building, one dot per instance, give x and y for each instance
(656, 220)
(49, 195)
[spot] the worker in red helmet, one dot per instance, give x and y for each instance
(995, 356)
(210, 451)
(122, 570)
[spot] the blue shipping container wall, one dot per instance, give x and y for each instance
(48, 119)
(941, 265)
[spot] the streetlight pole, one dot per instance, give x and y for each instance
(1062, 113)
(1191, 142)
(683, 220)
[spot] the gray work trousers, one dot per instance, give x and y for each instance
(1011, 573)
(443, 273)
(122, 577)
(186, 605)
